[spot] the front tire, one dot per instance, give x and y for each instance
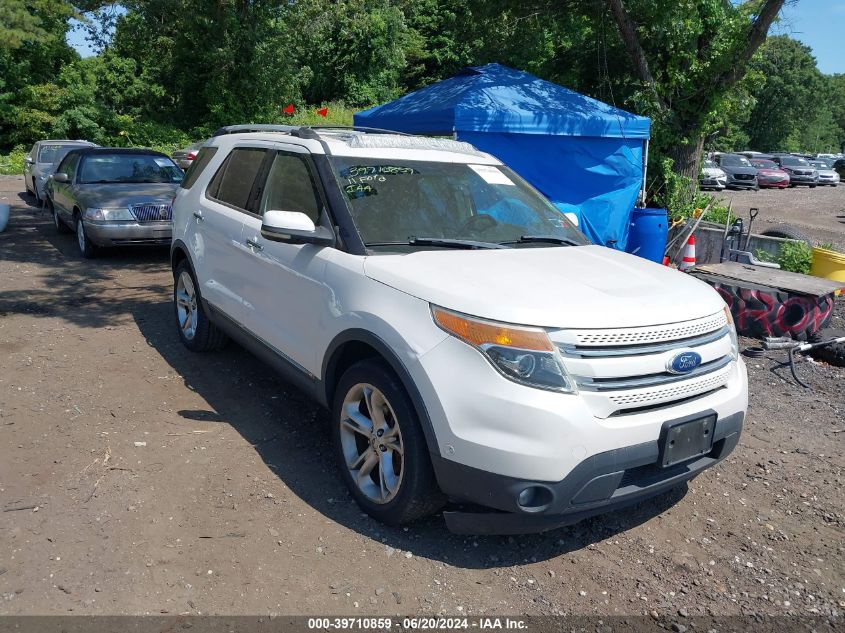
(196, 331)
(380, 447)
(86, 248)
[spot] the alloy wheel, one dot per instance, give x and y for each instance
(371, 441)
(186, 305)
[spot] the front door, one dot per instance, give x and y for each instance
(286, 297)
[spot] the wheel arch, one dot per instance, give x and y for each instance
(355, 345)
(178, 253)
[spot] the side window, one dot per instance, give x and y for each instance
(291, 187)
(198, 165)
(233, 182)
(69, 165)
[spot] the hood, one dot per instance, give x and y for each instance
(739, 169)
(555, 287)
(713, 172)
(771, 171)
(122, 195)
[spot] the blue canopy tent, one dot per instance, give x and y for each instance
(579, 152)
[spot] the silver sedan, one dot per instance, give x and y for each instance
(114, 197)
(41, 162)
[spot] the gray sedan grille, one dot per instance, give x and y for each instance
(152, 212)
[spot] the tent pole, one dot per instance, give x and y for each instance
(645, 173)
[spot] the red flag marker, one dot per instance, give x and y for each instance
(323, 112)
(288, 109)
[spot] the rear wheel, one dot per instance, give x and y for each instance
(61, 227)
(196, 332)
(380, 446)
(86, 247)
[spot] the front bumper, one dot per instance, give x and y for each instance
(798, 179)
(129, 233)
(735, 183)
(773, 181)
(717, 183)
(602, 483)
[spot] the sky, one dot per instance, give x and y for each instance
(820, 24)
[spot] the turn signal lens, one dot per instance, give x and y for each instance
(480, 333)
(523, 355)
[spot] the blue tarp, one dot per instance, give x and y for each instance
(576, 150)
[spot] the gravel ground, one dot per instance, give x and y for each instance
(138, 478)
(819, 212)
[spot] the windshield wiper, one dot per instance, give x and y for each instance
(443, 242)
(549, 239)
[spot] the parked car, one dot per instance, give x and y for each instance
(467, 338)
(769, 174)
(184, 157)
(114, 197)
(41, 162)
(800, 171)
(741, 175)
(839, 168)
(712, 176)
(827, 175)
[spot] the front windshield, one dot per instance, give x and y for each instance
(129, 168)
(764, 164)
(735, 161)
(794, 160)
(395, 201)
(819, 164)
(53, 153)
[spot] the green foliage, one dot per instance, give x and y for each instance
(12, 163)
(796, 257)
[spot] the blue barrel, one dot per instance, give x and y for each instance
(647, 237)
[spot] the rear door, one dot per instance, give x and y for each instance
(63, 191)
(224, 261)
(286, 296)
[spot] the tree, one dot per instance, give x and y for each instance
(688, 56)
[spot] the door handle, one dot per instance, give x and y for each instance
(254, 244)
(198, 216)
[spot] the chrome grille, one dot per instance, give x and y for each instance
(152, 211)
(650, 334)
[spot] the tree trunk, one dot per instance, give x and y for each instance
(687, 158)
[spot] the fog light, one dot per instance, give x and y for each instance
(534, 498)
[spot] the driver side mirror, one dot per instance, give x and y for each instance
(294, 227)
(60, 177)
(28, 160)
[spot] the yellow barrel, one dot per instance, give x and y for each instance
(828, 264)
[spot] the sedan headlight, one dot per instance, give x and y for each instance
(108, 215)
(732, 333)
(521, 354)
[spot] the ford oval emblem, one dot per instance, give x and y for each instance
(683, 362)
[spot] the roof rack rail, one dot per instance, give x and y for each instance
(255, 127)
(355, 128)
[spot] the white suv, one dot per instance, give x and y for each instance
(469, 341)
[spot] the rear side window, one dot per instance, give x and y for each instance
(198, 165)
(233, 182)
(291, 187)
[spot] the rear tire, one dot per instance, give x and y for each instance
(61, 227)
(196, 331)
(380, 447)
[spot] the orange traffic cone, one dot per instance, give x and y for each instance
(688, 259)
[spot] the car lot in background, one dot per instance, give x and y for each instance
(800, 171)
(827, 175)
(769, 174)
(114, 197)
(741, 175)
(184, 157)
(42, 159)
(839, 168)
(712, 176)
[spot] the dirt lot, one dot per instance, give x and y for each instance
(136, 477)
(819, 212)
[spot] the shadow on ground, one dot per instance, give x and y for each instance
(290, 433)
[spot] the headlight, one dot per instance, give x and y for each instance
(523, 355)
(108, 215)
(732, 333)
